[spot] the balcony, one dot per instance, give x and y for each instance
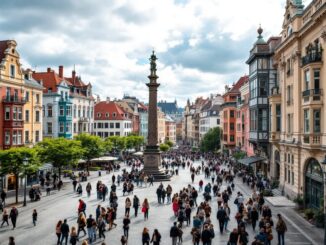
(274, 136)
(13, 124)
(312, 95)
(311, 57)
(311, 140)
(13, 100)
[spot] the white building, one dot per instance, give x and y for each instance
(111, 120)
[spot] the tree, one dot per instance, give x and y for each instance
(211, 140)
(12, 162)
(169, 143)
(93, 147)
(164, 147)
(60, 152)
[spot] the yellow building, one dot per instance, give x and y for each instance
(298, 137)
(33, 115)
(161, 128)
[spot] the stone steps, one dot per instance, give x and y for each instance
(277, 192)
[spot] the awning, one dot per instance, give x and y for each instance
(251, 160)
(138, 153)
(100, 159)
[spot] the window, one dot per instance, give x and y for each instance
(14, 137)
(306, 79)
(253, 88)
(27, 136)
(27, 96)
(49, 126)
(98, 114)
(111, 125)
(289, 123)
(111, 133)
(117, 133)
(238, 127)
(49, 110)
(61, 127)
(263, 86)
(232, 138)
(316, 121)
(62, 110)
(15, 95)
(231, 126)
(117, 125)
(14, 114)
(218, 121)
(12, 71)
(278, 118)
(7, 113)
(27, 116)
(68, 127)
(231, 114)
(37, 116)
(262, 119)
(289, 94)
(114, 114)
(306, 121)
(20, 113)
(106, 114)
(99, 125)
(7, 137)
(75, 111)
(292, 179)
(37, 136)
(19, 138)
(75, 127)
(8, 93)
(37, 99)
(316, 80)
(84, 111)
(253, 120)
(79, 109)
(106, 125)
(253, 67)
(262, 64)
(68, 112)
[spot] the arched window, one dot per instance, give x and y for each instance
(314, 191)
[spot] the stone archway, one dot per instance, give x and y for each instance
(314, 191)
(277, 162)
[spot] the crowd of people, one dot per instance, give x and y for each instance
(206, 196)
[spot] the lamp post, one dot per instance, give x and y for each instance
(324, 173)
(25, 162)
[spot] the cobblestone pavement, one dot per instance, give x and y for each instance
(64, 205)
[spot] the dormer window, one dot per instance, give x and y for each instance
(12, 71)
(98, 114)
(106, 114)
(114, 114)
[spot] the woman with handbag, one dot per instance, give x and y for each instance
(145, 208)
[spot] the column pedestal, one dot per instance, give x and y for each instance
(152, 164)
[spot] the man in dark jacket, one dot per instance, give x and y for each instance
(89, 226)
(136, 204)
(64, 232)
(13, 216)
(207, 236)
(174, 233)
(221, 216)
(159, 194)
(126, 222)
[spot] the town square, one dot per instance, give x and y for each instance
(162, 122)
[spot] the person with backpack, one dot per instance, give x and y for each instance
(156, 237)
(64, 232)
(174, 233)
(281, 229)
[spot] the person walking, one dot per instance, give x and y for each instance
(195, 236)
(207, 235)
(81, 221)
(145, 236)
(127, 206)
(254, 216)
(145, 208)
(34, 217)
(280, 229)
(13, 216)
(11, 240)
(88, 189)
(90, 231)
(156, 237)
(174, 233)
(5, 217)
(221, 216)
(64, 232)
(58, 231)
(136, 205)
(81, 207)
(101, 227)
(234, 237)
(3, 197)
(73, 236)
(126, 222)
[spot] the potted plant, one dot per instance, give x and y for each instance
(299, 202)
(319, 218)
(309, 213)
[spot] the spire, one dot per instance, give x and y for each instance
(260, 39)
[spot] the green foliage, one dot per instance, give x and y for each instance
(267, 193)
(319, 218)
(94, 168)
(211, 140)
(239, 155)
(309, 213)
(60, 152)
(299, 200)
(93, 146)
(169, 143)
(164, 147)
(118, 142)
(18, 161)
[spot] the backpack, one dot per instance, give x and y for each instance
(84, 206)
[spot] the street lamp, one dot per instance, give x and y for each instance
(324, 171)
(25, 162)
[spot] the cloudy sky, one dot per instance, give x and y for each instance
(201, 44)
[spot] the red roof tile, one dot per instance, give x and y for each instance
(235, 88)
(50, 80)
(105, 107)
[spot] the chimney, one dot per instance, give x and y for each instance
(73, 76)
(49, 69)
(107, 99)
(61, 71)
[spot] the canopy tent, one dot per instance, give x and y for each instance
(251, 160)
(138, 153)
(100, 159)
